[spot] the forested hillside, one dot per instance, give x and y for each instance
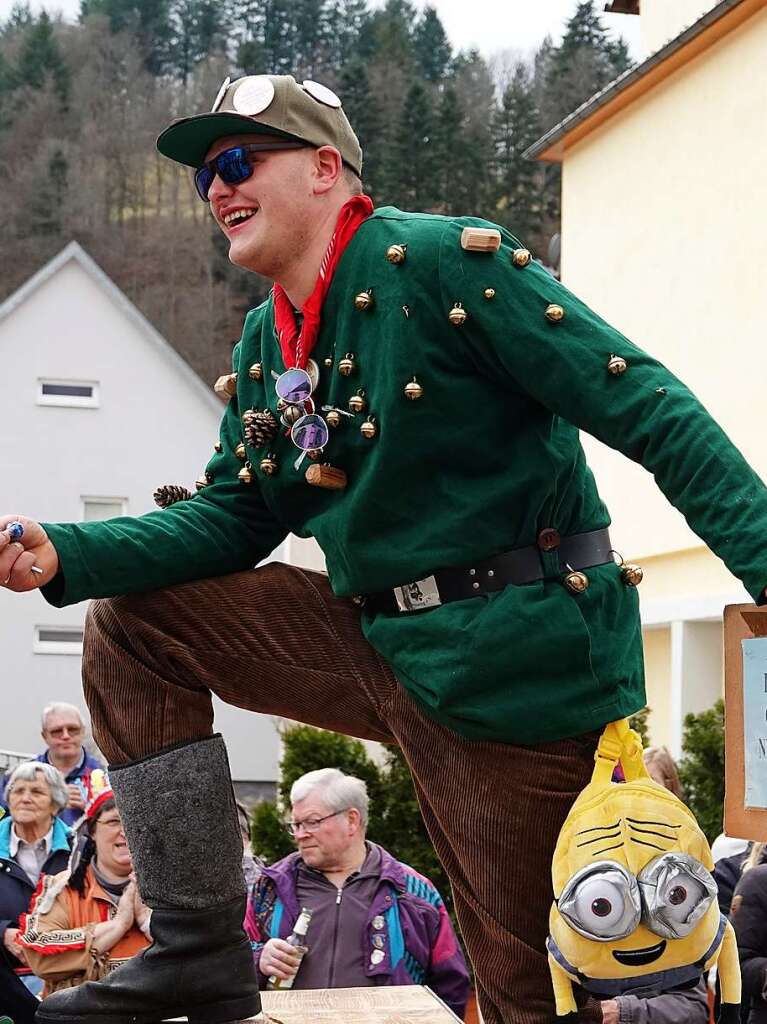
(443, 130)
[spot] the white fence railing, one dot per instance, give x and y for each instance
(10, 758)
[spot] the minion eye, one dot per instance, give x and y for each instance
(600, 905)
(601, 902)
(677, 891)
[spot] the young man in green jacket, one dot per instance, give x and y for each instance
(410, 395)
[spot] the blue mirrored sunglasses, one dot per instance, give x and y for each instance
(234, 165)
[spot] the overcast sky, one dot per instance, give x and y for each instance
(489, 25)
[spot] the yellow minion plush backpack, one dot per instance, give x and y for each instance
(635, 905)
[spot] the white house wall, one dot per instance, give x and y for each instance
(155, 424)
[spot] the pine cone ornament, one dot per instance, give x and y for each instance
(260, 428)
(169, 494)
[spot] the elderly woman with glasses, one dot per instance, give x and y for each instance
(88, 919)
(33, 842)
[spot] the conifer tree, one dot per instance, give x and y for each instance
(275, 35)
(516, 126)
(198, 28)
(147, 20)
(346, 21)
(40, 60)
(20, 18)
(366, 116)
(432, 49)
(410, 174)
(585, 61)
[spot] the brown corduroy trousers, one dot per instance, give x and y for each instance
(276, 640)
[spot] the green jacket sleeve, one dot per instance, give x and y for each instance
(225, 527)
(645, 412)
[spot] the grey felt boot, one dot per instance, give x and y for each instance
(181, 824)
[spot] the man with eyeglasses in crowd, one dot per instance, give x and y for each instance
(410, 395)
(375, 921)
(63, 730)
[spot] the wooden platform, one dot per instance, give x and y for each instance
(408, 1004)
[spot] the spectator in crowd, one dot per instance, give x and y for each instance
(88, 919)
(375, 921)
(748, 914)
(728, 846)
(63, 730)
(33, 841)
(651, 1005)
(728, 871)
(662, 769)
(251, 864)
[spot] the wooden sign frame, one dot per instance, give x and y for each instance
(741, 622)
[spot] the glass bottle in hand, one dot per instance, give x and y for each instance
(297, 939)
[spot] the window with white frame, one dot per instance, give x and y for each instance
(79, 393)
(98, 507)
(58, 640)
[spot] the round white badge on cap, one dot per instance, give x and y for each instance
(321, 93)
(253, 95)
(220, 94)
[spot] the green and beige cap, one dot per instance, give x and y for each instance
(265, 105)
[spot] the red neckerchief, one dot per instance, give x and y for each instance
(296, 347)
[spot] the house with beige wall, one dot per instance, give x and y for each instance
(663, 234)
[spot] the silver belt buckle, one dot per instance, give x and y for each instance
(421, 594)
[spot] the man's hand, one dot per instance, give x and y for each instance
(610, 1012)
(10, 943)
(17, 557)
(280, 959)
(76, 798)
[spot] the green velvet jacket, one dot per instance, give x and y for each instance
(479, 464)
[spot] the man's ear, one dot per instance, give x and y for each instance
(328, 168)
(355, 818)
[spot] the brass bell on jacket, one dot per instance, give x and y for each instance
(396, 253)
(457, 315)
(489, 293)
(203, 480)
(357, 402)
(328, 361)
(218, 448)
(616, 366)
(632, 575)
(346, 365)
(239, 451)
(291, 413)
(245, 476)
(268, 465)
(364, 300)
(413, 390)
(555, 313)
(333, 418)
(369, 428)
(577, 582)
(521, 257)
(256, 372)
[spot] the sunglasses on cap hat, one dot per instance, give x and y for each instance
(234, 165)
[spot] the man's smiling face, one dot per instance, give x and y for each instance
(266, 217)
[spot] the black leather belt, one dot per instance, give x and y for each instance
(523, 565)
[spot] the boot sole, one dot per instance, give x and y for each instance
(230, 1012)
